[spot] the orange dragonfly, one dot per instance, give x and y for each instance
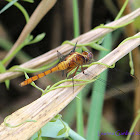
(71, 61)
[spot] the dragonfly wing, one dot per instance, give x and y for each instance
(62, 73)
(60, 56)
(73, 50)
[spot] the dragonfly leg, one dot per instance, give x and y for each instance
(69, 71)
(83, 71)
(75, 71)
(66, 75)
(73, 76)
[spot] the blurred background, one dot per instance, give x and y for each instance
(120, 103)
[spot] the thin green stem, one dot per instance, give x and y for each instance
(84, 82)
(129, 38)
(114, 27)
(22, 9)
(33, 84)
(133, 126)
(131, 64)
(7, 45)
(27, 70)
(78, 45)
(39, 134)
(76, 18)
(91, 44)
(13, 126)
(12, 54)
(122, 10)
(79, 120)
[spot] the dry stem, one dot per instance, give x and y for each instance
(85, 38)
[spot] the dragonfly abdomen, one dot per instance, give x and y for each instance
(61, 66)
(30, 80)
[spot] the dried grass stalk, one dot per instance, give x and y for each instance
(85, 38)
(46, 107)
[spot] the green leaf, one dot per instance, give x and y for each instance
(57, 117)
(28, 40)
(97, 47)
(8, 6)
(100, 41)
(37, 38)
(62, 131)
(2, 69)
(51, 129)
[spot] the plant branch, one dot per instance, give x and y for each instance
(65, 49)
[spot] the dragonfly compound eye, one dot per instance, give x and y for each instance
(90, 56)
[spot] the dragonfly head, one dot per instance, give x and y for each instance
(88, 56)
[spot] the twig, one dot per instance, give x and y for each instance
(85, 38)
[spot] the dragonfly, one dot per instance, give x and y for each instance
(71, 61)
